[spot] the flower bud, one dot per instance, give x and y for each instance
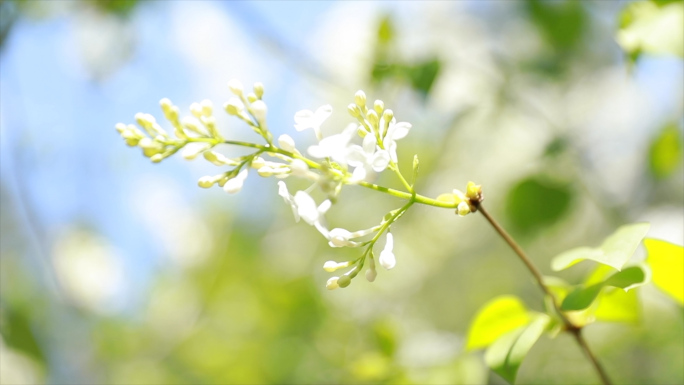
(251, 97)
(379, 106)
(191, 150)
(266, 171)
(360, 98)
(235, 87)
(234, 106)
(332, 283)
(331, 266)
(474, 192)
(259, 111)
(206, 181)
(371, 274)
(344, 281)
(207, 107)
(258, 162)
(196, 109)
(354, 110)
(235, 184)
(299, 167)
(388, 115)
(258, 89)
(120, 127)
(463, 209)
(156, 158)
(373, 118)
(286, 143)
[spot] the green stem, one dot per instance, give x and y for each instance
(575, 330)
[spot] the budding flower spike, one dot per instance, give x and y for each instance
(366, 147)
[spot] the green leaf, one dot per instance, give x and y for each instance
(535, 202)
(423, 75)
(615, 250)
(626, 279)
(617, 306)
(507, 353)
(496, 318)
(667, 265)
(665, 153)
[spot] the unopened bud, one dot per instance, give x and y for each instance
(196, 109)
(463, 209)
(360, 98)
(373, 118)
(286, 143)
(251, 97)
(234, 106)
(354, 110)
(259, 110)
(299, 167)
(371, 274)
(388, 115)
(207, 107)
(344, 281)
(206, 181)
(235, 87)
(332, 283)
(379, 106)
(258, 89)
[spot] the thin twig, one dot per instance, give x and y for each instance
(575, 330)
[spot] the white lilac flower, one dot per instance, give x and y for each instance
(366, 158)
(395, 131)
(387, 259)
(305, 119)
(335, 146)
(235, 184)
(303, 206)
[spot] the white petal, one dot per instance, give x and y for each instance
(380, 160)
(356, 156)
(282, 191)
(399, 130)
(387, 260)
(359, 174)
(323, 112)
(369, 144)
(306, 207)
(324, 207)
(303, 119)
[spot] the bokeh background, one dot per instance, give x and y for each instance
(115, 270)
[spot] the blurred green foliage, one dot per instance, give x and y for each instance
(388, 67)
(536, 202)
(665, 152)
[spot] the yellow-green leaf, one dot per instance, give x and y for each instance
(496, 318)
(667, 267)
(507, 353)
(626, 279)
(615, 250)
